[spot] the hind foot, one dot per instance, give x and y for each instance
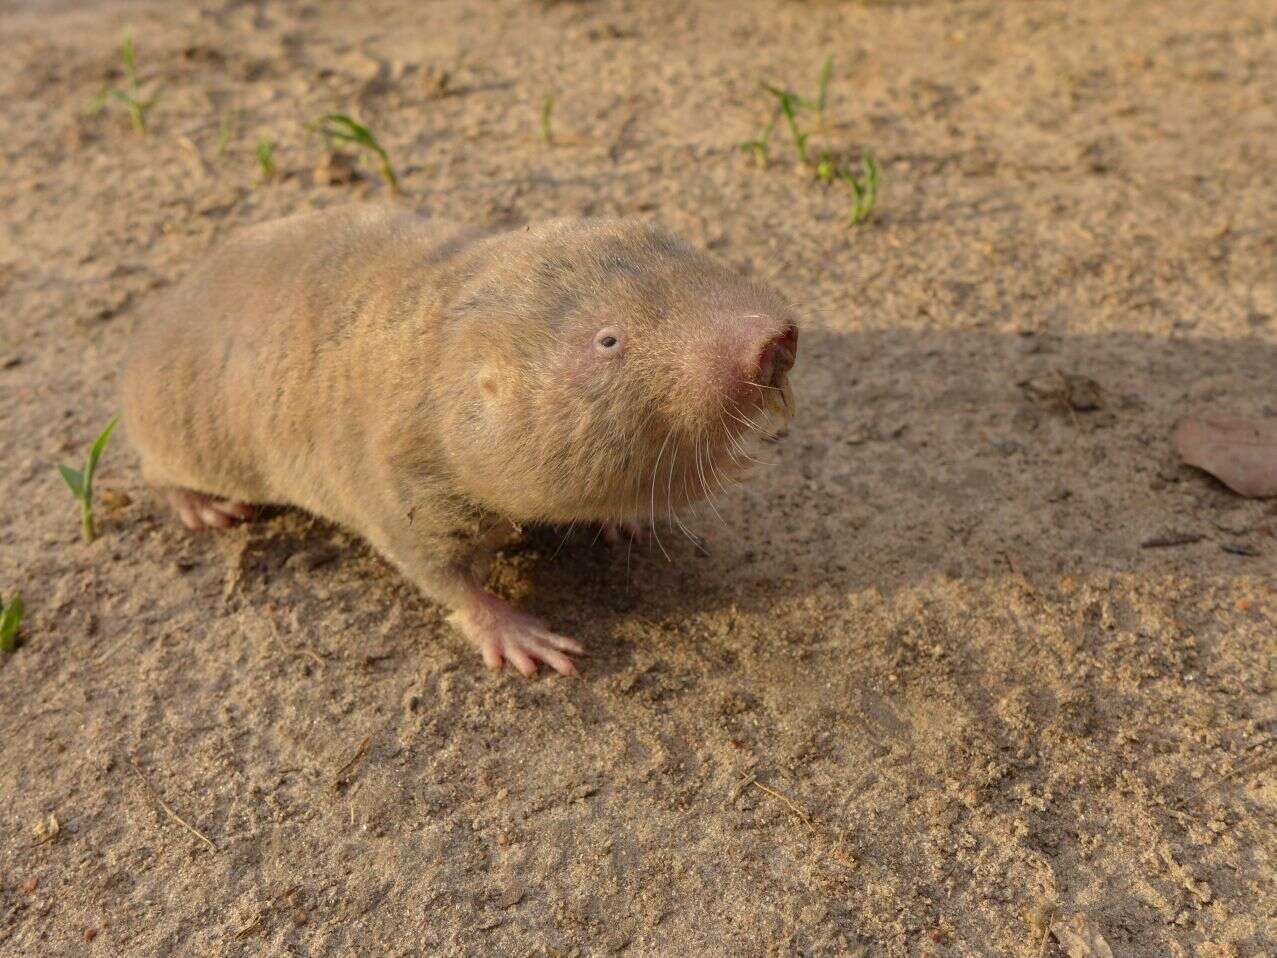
(198, 511)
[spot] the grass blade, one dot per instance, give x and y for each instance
(99, 444)
(790, 103)
(74, 478)
(131, 98)
(822, 96)
(266, 158)
(547, 107)
(81, 483)
(340, 127)
(130, 61)
(10, 619)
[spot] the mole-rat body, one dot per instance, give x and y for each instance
(427, 386)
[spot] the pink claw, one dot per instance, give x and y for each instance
(614, 532)
(503, 634)
(198, 511)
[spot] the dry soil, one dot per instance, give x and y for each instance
(975, 659)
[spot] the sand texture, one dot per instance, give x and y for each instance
(975, 659)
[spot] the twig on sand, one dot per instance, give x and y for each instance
(792, 805)
(250, 927)
(360, 752)
(835, 849)
(1172, 540)
(169, 811)
(1252, 765)
(1046, 933)
(115, 648)
(256, 923)
(301, 652)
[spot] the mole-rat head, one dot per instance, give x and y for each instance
(611, 372)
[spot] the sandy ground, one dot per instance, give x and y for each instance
(934, 690)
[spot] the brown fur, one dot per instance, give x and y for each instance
(424, 384)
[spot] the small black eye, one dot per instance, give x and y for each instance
(608, 341)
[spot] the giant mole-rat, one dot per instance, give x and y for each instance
(428, 386)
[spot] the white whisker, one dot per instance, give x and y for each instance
(671, 512)
(629, 551)
(751, 426)
(713, 465)
(652, 513)
(563, 540)
(739, 452)
(746, 382)
(700, 468)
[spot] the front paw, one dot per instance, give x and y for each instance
(503, 634)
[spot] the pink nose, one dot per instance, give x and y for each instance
(777, 358)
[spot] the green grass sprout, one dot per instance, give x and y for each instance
(225, 130)
(81, 483)
(547, 108)
(131, 97)
(266, 159)
(341, 128)
(829, 166)
(864, 188)
(11, 614)
(822, 95)
(826, 168)
(790, 103)
(757, 148)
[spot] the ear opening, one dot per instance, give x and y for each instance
(488, 384)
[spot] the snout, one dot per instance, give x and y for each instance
(775, 358)
(738, 366)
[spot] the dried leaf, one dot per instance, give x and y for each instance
(1240, 453)
(1081, 939)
